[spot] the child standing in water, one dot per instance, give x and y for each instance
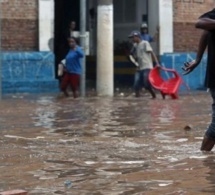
(73, 68)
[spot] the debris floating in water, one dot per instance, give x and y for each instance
(188, 128)
(68, 184)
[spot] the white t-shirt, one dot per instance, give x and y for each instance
(143, 55)
(63, 62)
(74, 34)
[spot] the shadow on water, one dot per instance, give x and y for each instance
(105, 146)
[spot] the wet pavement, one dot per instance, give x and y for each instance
(105, 146)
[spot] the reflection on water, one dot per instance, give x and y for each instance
(122, 146)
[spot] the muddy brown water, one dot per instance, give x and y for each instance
(105, 146)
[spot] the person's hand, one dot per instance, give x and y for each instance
(138, 68)
(189, 66)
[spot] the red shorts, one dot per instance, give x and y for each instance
(71, 79)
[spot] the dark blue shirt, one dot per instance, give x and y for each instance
(146, 37)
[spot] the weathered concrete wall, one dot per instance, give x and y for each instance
(19, 25)
(186, 13)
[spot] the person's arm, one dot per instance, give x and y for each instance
(202, 46)
(131, 56)
(190, 66)
(150, 39)
(156, 35)
(205, 23)
(133, 49)
(154, 58)
(79, 51)
(149, 49)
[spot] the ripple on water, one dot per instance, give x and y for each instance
(106, 146)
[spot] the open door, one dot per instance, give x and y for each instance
(65, 12)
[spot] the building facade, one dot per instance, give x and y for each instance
(36, 28)
(27, 24)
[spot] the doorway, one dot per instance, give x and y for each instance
(65, 11)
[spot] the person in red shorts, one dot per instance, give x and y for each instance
(72, 68)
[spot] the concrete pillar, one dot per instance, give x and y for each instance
(166, 25)
(105, 73)
(46, 25)
(83, 44)
(153, 23)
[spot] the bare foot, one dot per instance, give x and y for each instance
(207, 144)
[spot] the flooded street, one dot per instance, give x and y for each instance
(105, 146)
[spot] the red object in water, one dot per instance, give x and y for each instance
(14, 192)
(166, 87)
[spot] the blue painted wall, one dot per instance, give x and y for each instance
(124, 70)
(34, 72)
(195, 80)
(31, 72)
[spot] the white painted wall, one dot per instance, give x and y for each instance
(46, 25)
(166, 25)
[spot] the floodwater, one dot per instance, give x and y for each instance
(105, 146)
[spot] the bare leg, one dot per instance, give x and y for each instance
(66, 93)
(75, 93)
(147, 84)
(137, 93)
(152, 93)
(207, 144)
(64, 84)
(163, 95)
